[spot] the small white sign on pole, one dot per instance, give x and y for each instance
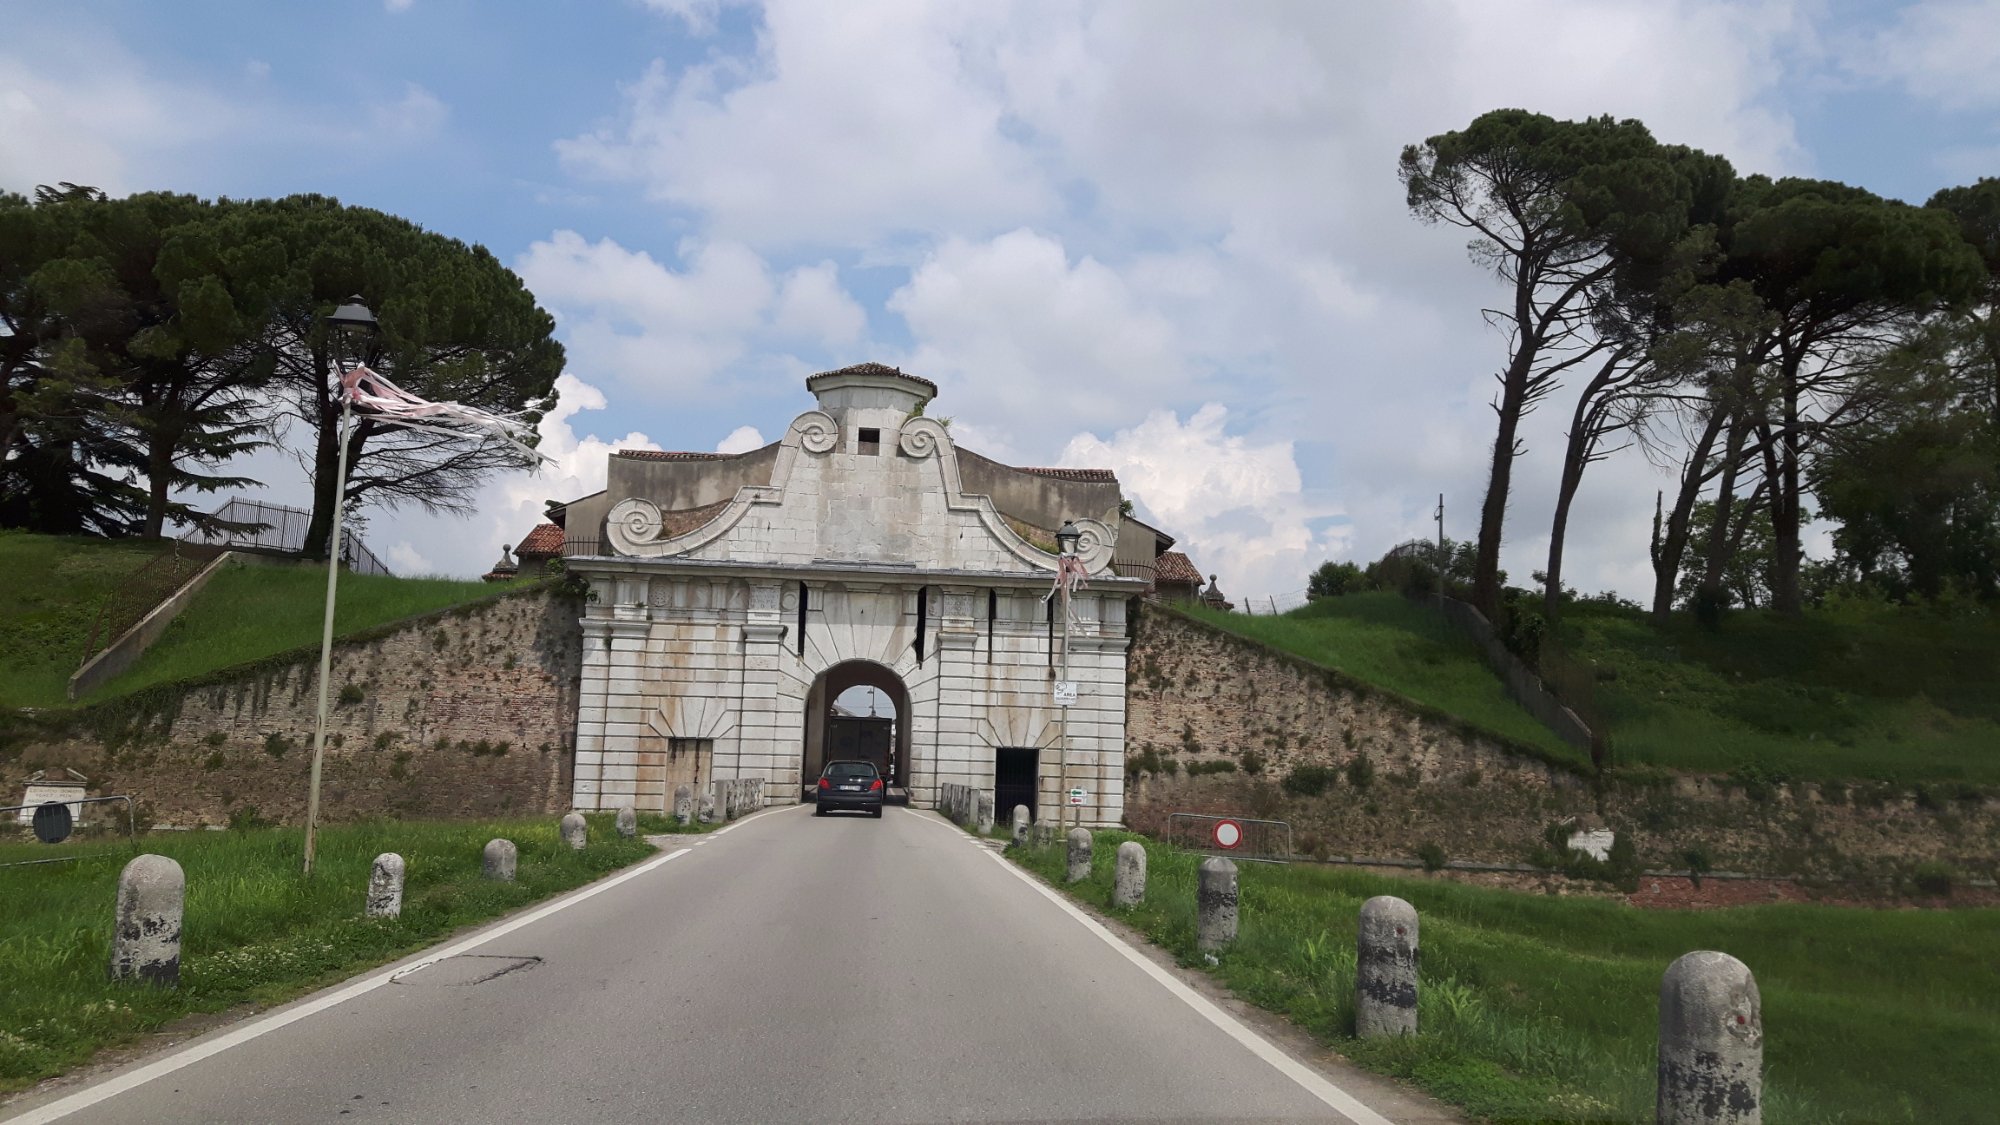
(1078, 796)
(1065, 693)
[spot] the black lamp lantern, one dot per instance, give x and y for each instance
(353, 326)
(1066, 538)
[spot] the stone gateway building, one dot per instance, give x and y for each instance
(736, 596)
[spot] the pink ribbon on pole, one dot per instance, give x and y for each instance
(1070, 573)
(373, 395)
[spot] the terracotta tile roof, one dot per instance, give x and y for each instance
(871, 369)
(1071, 474)
(1172, 566)
(545, 539)
(671, 455)
(678, 523)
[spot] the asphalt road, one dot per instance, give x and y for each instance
(790, 969)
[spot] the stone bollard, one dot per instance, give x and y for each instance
(575, 832)
(385, 886)
(684, 805)
(499, 860)
(146, 936)
(1079, 854)
(1385, 968)
(1020, 826)
(985, 813)
(1711, 1043)
(1128, 883)
(707, 809)
(1215, 904)
(628, 822)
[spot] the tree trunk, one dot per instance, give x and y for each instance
(1717, 553)
(159, 478)
(1785, 550)
(326, 469)
(1493, 515)
(1667, 559)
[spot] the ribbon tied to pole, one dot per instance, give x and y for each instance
(373, 395)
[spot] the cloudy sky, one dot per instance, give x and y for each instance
(1160, 237)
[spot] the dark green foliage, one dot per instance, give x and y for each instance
(1333, 579)
(1432, 856)
(350, 694)
(1219, 765)
(275, 744)
(1933, 877)
(1253, 762)
(1310, 780)
(1360, 772)
(1151, 761)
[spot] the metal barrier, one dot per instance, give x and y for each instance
(1234, 837)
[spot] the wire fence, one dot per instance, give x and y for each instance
(135, 596)
(257, 525)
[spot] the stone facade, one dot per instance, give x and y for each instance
(469, 712)
(1200, 696)
(736, 596)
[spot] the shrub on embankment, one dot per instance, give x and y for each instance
(1538, 1008)
(256, 931)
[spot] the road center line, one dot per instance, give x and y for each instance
(1313, 1082)
(119, 1083)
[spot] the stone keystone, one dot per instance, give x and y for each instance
(499, 860)
(1128, 885)
(385, 886)
(1711, 1043)
(1215, 904)
(1020, 826)
(628, 822)
(1385, 973)
(1079, 854)
(575, 832)
(146, 935)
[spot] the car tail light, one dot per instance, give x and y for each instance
(874, 785)
(825, 784)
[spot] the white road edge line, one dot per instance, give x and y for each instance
(119, 1083)
(1314, 1083)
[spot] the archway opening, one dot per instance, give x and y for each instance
(858, 710)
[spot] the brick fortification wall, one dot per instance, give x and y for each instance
(1199, 695)
(469, 712)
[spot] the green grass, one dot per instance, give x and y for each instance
(1536, 1008)
(1893, 694)
(251, 612)
(56, 584)
(1385, 640)
(256, 931)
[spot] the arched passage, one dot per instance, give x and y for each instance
(880, 731)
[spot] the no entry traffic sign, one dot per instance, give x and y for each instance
(1226, 834)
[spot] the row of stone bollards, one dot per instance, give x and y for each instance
(968, 806)
(1711, 1045)
(152, 895)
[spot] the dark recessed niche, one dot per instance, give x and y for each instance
(868, 440)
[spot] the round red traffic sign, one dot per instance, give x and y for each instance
(1226, 833)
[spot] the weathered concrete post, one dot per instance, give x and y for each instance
(1128, 877)
(1385, 971)
(574, 831)
(628, 822)
(683, 805)
(385, 886)
(499, 860)
(985, 813)
(707, 809)
(1020, 826)
(1079, 854)
(146, 935)
(1711, 1043)
(1215, 904)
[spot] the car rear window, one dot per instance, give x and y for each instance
(847, 771)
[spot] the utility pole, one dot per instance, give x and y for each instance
(1443, 564)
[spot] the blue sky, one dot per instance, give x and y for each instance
(1164, 238)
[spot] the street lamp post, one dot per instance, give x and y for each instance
(353, 326)
(1066, 539)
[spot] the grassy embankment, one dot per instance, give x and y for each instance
(257, 932)
(1388, 641)
(1537, 1008)
(244, 614)
(1900, 695)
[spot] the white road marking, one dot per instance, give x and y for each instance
(1313, 1082)
(119, 1083)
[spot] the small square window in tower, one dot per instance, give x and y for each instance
(869, 441)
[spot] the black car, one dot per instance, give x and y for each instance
(849, 785)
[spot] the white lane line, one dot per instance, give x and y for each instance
(1314, 1083)
(119, 1083)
